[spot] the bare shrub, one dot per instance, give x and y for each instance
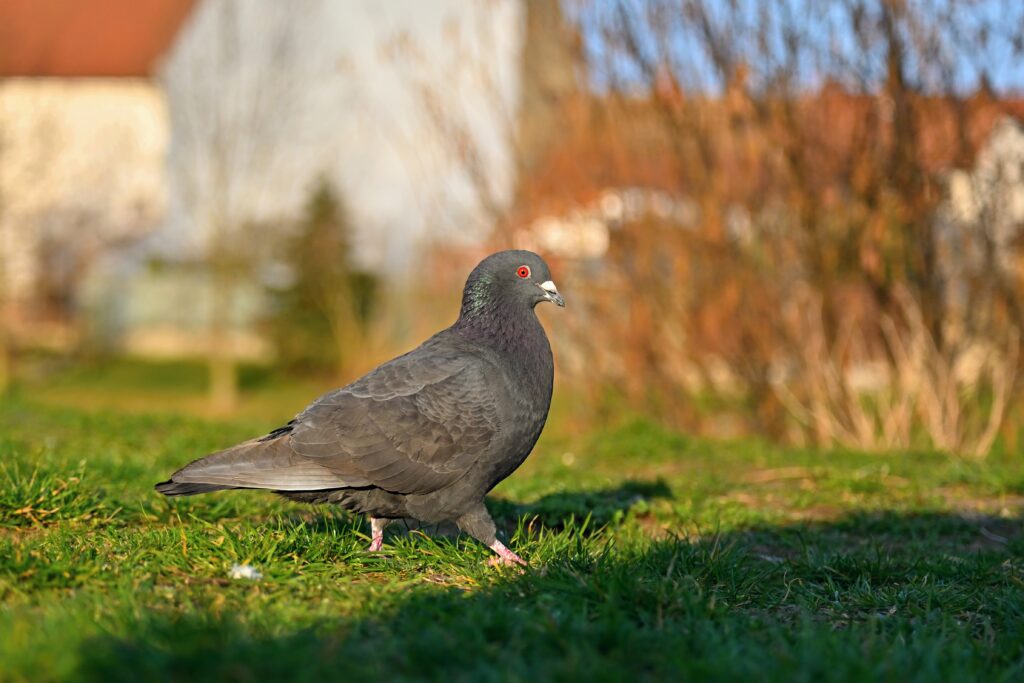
(956, 397)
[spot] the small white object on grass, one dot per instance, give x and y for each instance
(245, 571)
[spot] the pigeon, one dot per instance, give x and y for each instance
(425, 435)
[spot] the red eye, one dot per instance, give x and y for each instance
(523, 271)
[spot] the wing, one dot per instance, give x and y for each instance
(413, 425)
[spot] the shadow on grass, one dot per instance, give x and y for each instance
(885, 596)
(603, 506)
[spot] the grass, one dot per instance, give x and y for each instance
(653, 556)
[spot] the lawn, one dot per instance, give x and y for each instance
(653, 556)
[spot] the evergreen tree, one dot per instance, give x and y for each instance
(322, 315)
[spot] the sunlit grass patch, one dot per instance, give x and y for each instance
(652, 556)
(41, 497)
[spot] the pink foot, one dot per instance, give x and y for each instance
(377, 526)
(505, 556)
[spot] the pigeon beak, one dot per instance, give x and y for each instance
(551, 293)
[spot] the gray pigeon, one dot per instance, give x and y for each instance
(425, 435)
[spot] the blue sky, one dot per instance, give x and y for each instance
(971, 38)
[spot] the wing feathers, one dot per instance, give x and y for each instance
(262, 465)
(413, 425)
(408, 427)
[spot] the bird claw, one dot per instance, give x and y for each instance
(502, 562)
(505, 558)
(377, 526)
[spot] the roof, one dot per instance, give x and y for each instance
(101, 38)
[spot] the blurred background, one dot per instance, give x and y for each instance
(790, 219)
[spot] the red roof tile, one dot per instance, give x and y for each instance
(116, 38)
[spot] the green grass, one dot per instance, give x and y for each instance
(653, 556)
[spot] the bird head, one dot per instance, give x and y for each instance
(516, 276)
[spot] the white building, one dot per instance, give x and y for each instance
(379, 98)
(82, 167)
(83, 137)
(188, 117)
(981, 225)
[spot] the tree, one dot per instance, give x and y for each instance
(322, 315)
(238, 117)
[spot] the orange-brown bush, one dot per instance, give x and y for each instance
(820, 282)
(818, 287)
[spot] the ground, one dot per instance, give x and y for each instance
(653, 556)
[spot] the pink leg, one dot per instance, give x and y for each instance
(377, 526)
(505, 556)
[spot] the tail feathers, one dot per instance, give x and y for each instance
(177, 488)
(255, 464)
